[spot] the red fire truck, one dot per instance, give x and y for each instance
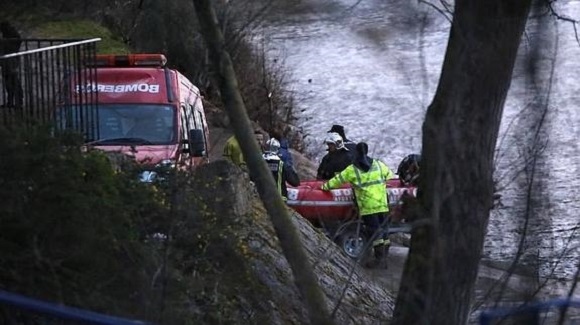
(142, 109)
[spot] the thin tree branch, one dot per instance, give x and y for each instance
(564, 18)
(443, 12)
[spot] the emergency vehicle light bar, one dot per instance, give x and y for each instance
(128, 60)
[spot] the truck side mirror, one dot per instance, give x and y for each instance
(196, 143)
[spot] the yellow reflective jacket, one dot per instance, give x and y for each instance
(369, 187)
(233, 152)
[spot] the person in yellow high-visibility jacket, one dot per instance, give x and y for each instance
(233, 152)
(368, 179)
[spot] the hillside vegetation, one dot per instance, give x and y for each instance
(189, 249)
(81, 230)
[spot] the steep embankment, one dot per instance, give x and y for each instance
(240, 245)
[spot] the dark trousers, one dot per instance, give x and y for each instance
(12, 86)
(376, 227)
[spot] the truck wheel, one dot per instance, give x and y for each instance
(351, 240)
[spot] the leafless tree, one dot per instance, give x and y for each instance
(285, 229)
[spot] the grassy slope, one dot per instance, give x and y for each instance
(82, 29)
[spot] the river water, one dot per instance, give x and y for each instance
(373, 67)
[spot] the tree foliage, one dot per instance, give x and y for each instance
(80, 229)
(70, 223)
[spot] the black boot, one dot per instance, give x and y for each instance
(385, 254)
(378, 257)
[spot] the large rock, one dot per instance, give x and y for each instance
(304, 166)
(246, 268)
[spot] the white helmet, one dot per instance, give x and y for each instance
(270, 156)
(273, 145)
(336, 139)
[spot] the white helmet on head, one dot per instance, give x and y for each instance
(336, 139)
(273, 145)
(270, 156)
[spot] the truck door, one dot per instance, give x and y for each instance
(187, 123)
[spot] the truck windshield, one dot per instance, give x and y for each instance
(127, 124)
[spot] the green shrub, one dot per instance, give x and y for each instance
(82, 232)
(73, 229)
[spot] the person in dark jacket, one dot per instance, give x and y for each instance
(336, 160)
(349, 144)
(10, 43)
(281, 172)
(409, 169)
(233, 152)
(284, 152)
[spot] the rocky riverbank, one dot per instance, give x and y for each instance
(494, 281)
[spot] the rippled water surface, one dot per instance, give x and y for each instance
(373, 67)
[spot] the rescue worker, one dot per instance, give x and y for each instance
(408, 170)
(349, 144)
(284, 151)
(368, 179)
(261, 139)
(281, 172)
(233, 152)
(337, 158)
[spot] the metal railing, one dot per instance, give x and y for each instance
(39, 75)
(536, 313)
(20, 310)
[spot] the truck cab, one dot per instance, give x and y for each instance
(140, 107)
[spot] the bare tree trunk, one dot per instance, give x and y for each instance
(291, 245)
(459, 139)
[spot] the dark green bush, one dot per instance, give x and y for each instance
(73, 229)
(79, 228)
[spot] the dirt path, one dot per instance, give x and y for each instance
(397, 255)
(488, 286)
